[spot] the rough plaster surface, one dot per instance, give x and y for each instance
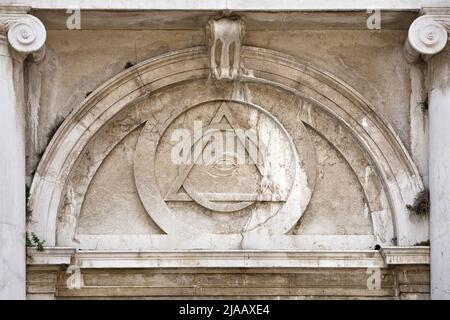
(358, 57)
(112, 204)
(334, 210)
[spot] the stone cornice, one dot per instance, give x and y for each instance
(229, 258)
(26, 33)
(343, 5)
(428, 34)
(406, 255)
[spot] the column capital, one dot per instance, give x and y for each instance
(26, 33)
(428, 34)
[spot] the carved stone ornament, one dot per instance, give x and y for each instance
(268, 190)
(225, 40)
(26, 33)
(111, 182)
(427, 35)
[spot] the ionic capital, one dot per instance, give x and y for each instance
(427, 36)
(25, 33)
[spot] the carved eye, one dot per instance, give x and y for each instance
(223, 166)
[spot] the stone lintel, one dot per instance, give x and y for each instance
(406, 255)
(230, 258)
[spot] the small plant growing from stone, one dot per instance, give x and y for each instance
(28, 242)
(34, 241)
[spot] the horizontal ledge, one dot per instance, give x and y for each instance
(227, 4)
(229, 259)
(146, 242)
(406, 255)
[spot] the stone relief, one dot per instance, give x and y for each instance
(224, 197)
(224, 190)
(294, 112)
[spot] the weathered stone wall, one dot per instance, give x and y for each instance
(335, 109)
(409, 282)
(77, 62)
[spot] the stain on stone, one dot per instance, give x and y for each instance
(421, 204)
(424, 106)
(423, 243)
(59, 121)
(129, 64)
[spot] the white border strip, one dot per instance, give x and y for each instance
(339, 5)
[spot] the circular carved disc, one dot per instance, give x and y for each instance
(223, 166)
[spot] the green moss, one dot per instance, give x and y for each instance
(28, 242)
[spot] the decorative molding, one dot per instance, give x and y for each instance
(284, 5)
(428, 35)
(26, 33)
(405, 255)
(230, 258)
(50, 256)
(226, 34)
(228, 274)
(14, 9)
